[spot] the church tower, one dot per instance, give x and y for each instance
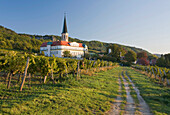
(64, 34)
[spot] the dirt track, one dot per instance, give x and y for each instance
(130, 104)
(143, 107)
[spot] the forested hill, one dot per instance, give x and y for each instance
(31, 43)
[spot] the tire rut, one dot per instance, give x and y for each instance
(143, 107)
(130, 105)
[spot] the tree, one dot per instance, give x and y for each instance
(143, 61)
(116, 51)
(167, 59)
(109, 58)
(152, 57)
(142, 55)
(161, 62)
(66, 54)
(142, 58)
(130, 56)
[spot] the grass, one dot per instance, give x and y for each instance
(123, 95)
(157, 97)
(89, 95)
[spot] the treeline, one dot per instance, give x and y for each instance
(53, 68)
(164, 61)
(11, 40)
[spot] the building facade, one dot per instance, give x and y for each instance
(57, 48)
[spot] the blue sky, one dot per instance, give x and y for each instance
(140, 23)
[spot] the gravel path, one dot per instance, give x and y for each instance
(130, 105)
(143, 107)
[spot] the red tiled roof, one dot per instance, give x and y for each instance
(65, 43)
(44, 44)
(80, 44)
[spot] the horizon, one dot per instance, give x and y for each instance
(141, 24)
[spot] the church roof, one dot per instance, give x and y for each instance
(65, 26)
(44, 44)
(64, 43)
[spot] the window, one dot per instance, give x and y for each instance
(110, 50)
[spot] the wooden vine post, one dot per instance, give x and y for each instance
(45, 77)
(6, 81)
(66, 71)
(9, 81)
(78, 70)
(25, 74)
(52, 76)
(19, 78)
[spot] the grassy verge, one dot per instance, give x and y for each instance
(157, 97)
(123, 92)
(89, 95)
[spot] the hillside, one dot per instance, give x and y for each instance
(31, 43)
(159, 55)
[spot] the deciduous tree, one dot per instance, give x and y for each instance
(130, 56)
(67, 54)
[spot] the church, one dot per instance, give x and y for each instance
(57, 48)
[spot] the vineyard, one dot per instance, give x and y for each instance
(159, 74)
(37, 84)
(55, 85)
(27, 66)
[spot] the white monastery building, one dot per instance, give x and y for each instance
(57, 48)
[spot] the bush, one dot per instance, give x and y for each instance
(126, 63)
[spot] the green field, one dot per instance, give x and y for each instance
(90, 95)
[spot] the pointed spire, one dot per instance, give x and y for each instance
(65, 24)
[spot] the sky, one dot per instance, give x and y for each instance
(141, 23)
